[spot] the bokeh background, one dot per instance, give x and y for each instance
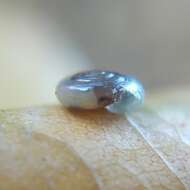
(42, 41)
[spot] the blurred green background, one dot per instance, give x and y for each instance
(43, 41)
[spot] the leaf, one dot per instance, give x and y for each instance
(53, 148)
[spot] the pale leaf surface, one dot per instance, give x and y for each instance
(54, 148)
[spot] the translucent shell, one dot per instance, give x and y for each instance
(94, 89)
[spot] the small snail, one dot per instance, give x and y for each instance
(95, 89)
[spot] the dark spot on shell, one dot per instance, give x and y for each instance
(104, 101)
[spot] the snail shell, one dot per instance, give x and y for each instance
(96, 89)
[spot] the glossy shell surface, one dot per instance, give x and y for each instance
(94, 89)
